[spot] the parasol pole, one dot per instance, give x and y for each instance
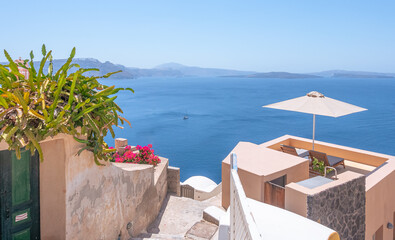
(313, 129)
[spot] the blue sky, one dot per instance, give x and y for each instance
(295, 36)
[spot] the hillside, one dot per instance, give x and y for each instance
(201, 72)
(164, 70)
(179, 70)
(105, 67)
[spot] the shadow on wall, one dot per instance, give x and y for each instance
(154, 226)
(86, 201)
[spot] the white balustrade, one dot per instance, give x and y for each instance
(242, 224)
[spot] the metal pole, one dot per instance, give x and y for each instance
(313, 129)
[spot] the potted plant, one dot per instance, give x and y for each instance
(319, 166)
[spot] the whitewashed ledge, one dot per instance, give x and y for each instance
(131, 167)
(158, 170)
(203, 188)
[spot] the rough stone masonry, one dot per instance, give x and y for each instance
(341, 208)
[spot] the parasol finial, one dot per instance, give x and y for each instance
(315, 94)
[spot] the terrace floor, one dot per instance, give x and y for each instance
(350, 166)
(357, 167)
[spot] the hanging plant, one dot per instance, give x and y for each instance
(40, 105)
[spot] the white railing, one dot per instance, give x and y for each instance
(242, 224)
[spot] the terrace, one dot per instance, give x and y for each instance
(356, 160)
(361, 189)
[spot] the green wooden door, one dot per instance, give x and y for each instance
(19, 192)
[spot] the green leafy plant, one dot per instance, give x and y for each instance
(67, 101)
(319, 166)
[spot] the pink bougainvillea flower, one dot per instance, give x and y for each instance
(145, 155)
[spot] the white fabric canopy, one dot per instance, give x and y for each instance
(317, 104)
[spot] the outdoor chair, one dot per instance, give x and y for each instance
(291, 150)
(328, 160)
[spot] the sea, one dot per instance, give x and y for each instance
(224, 111)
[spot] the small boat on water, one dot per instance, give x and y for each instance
(186, 115)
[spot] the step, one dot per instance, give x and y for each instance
(159, 236)
(213, 214)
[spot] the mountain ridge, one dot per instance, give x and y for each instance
(173, 69)
(201, 72)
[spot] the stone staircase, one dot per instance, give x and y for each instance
(199, 231)
(181, 218)
(154, 236)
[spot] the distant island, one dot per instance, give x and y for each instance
(187, 71)
(277, 75)
(179, 70)
(353, 74)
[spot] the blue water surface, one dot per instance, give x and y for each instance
(225, 111)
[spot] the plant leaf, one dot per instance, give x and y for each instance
(21, 101)
(44, 50)
(124, 119)
(12, 65)
(81, 140)
(31, 137)
(36, 114)
(111, 73)
(3, 102)
(90, 109)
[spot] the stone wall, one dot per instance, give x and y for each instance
(81, 200)
(173, 180)
(105, 202)
(341, 208)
